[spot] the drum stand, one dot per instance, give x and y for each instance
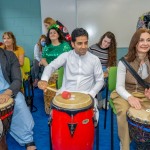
(97, 137)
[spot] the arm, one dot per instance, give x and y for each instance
(120, 87)
(36, 52)
(14, 74)
(50, 68)
(99, 78)
(21, 56)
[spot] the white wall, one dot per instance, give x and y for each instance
(98, 16)
(62, 10)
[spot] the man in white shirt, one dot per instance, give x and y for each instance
(82, 70)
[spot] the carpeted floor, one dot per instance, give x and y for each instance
(41, 129)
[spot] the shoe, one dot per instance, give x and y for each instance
(120, 146)
(30, 146)
(104, 101)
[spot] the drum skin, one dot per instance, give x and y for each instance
(72, 129)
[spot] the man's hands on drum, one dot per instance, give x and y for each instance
(134, 102)
(43, 85)
(147, 93)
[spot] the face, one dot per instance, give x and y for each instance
(42, 39)
(46, 25)
(105, 42)
(53, 35)
(8, 41)
(143, 46)
(80, 45)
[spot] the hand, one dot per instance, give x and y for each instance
(4, 98)
(134, 102)
(147, 93)
(43, 85)
(44, 62)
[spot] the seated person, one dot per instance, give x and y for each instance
(129, 93)
(9, 43)
(22, 123)
(81, 73)
(55, 45)
(105, 49)
(37, 67)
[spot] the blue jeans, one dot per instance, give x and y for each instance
(22, 122)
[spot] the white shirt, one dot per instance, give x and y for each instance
(121, 73)
(81, 73)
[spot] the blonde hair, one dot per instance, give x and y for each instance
(49, 21)
(11, 35)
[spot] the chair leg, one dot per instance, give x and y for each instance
(105, 118)
(112, 130)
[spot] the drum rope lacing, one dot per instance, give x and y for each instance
(140, 127)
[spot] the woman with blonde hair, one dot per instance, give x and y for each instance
(9, 43)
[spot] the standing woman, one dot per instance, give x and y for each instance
(37, 67)
(105, 49)
(9, 43)
(55, 45)
(129, 93)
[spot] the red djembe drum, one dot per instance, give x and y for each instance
(6, 112)
(72, 122)
(139, 127)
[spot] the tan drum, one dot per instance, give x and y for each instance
(6, 111)
(49, 95)
(139, 127)
(72, 122)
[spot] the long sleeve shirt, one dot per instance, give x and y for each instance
(81, 73)
(121, 75)
(37, 53)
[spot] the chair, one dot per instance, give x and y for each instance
(111, 85)
(27, 83)
(60, 77)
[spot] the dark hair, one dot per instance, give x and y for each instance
(78, 32)
(60, 39)
(111, 49)
(131, 55)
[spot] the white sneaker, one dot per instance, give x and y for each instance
(104, 100)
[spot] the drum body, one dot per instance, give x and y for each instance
(139, 127)
(49, 95)
(6, 112)
(72, 126)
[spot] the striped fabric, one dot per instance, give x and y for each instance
(102, 54)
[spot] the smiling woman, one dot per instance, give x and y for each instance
(9, 43)
(128, 92)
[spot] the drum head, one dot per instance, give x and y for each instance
(140, 116)
(9, 102)
(77, 101)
